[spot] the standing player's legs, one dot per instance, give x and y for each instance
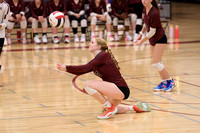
(74, 22)
(44, 31)
(10, 26)
(55, 38)
(127, 25)
(35, 30)
(138, 10)
(167, 82)
(133, 18)
(108, 27)
(83, 22)
(93, 20)
(115, 24)
(23, 25)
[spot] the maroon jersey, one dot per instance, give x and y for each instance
(152, 19)
(103, 66)
(76, 8)
(101, 9)
(19, 8)
(134, 1)
(62, 7)
(38, 11)
(133, 6)
(119, 8)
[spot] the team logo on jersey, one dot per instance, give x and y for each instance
(98, 74)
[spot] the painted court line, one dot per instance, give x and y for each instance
(12, 91)
(79, 123)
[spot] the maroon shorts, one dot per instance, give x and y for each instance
(125, 91)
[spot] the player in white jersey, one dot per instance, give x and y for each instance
(4, 15)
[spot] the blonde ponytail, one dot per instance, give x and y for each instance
(112, 56)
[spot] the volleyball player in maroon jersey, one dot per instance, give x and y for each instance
(77, 14)
(17, 15)
(113, 89)
(158, 41)
(38, 11)
(135, 9)
(120, 11)
(4, 16)
(60, 5)
(99, 12)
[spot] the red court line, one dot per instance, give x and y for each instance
(80, 47)
(82, 90)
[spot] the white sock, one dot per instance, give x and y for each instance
(109, 33)
(107, 104)
(131, 108)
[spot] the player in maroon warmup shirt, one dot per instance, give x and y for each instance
(98, 12)
(38, 11)
(135, 10)
(17, 15)
(120, 12)
(158, 41)
(77, 14)
(60, 5)
(113, 89)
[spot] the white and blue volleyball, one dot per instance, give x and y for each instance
(57, 19)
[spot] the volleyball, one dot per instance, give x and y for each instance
(57, 19)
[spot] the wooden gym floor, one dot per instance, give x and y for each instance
(37, 98)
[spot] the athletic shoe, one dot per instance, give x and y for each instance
(160, 87)
(56, 40)
(44, 39)
(110, 38)
(66, 40)
(108, 112)
(170, 85)
(83, 38)
(140, 107)
(129, 37)
(36, 39)
(76, 39)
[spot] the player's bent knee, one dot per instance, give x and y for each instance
(84, 23)
(159, 66)
(94, 20)
(74, 23)
(115, 21)
(133, 17)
